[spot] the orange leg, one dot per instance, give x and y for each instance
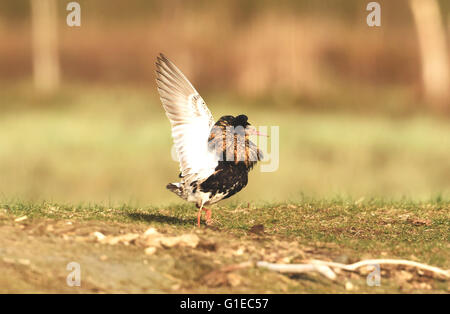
(208, 216)
(199, 216)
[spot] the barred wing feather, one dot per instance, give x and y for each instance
(190, 118)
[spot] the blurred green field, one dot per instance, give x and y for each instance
(97, 144)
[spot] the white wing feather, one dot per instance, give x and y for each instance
(190, 118)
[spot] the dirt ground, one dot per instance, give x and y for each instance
(149, 257)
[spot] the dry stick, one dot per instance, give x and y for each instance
(299, 268)
(353, 267)
(323, 267)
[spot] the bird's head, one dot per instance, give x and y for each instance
(241, 126)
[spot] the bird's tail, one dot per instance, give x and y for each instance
(175, 188)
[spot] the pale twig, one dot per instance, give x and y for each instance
(371, 262)
(299, 268)
(323, 267)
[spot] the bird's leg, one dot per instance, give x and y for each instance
(199, 215)
(208, 216)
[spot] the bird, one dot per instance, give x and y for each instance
(215, 157)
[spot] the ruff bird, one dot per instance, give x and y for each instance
(214, 157)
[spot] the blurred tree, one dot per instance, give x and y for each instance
(46, 71)
(434, 54)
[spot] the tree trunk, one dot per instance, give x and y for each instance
(46, 72)
(434, 54)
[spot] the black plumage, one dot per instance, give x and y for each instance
(231, 174)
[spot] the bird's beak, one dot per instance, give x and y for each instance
(253, 131)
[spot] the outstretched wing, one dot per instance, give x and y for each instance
(190, 118)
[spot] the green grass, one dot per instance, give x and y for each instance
(373, 226)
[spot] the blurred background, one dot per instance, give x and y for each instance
(363, 111)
